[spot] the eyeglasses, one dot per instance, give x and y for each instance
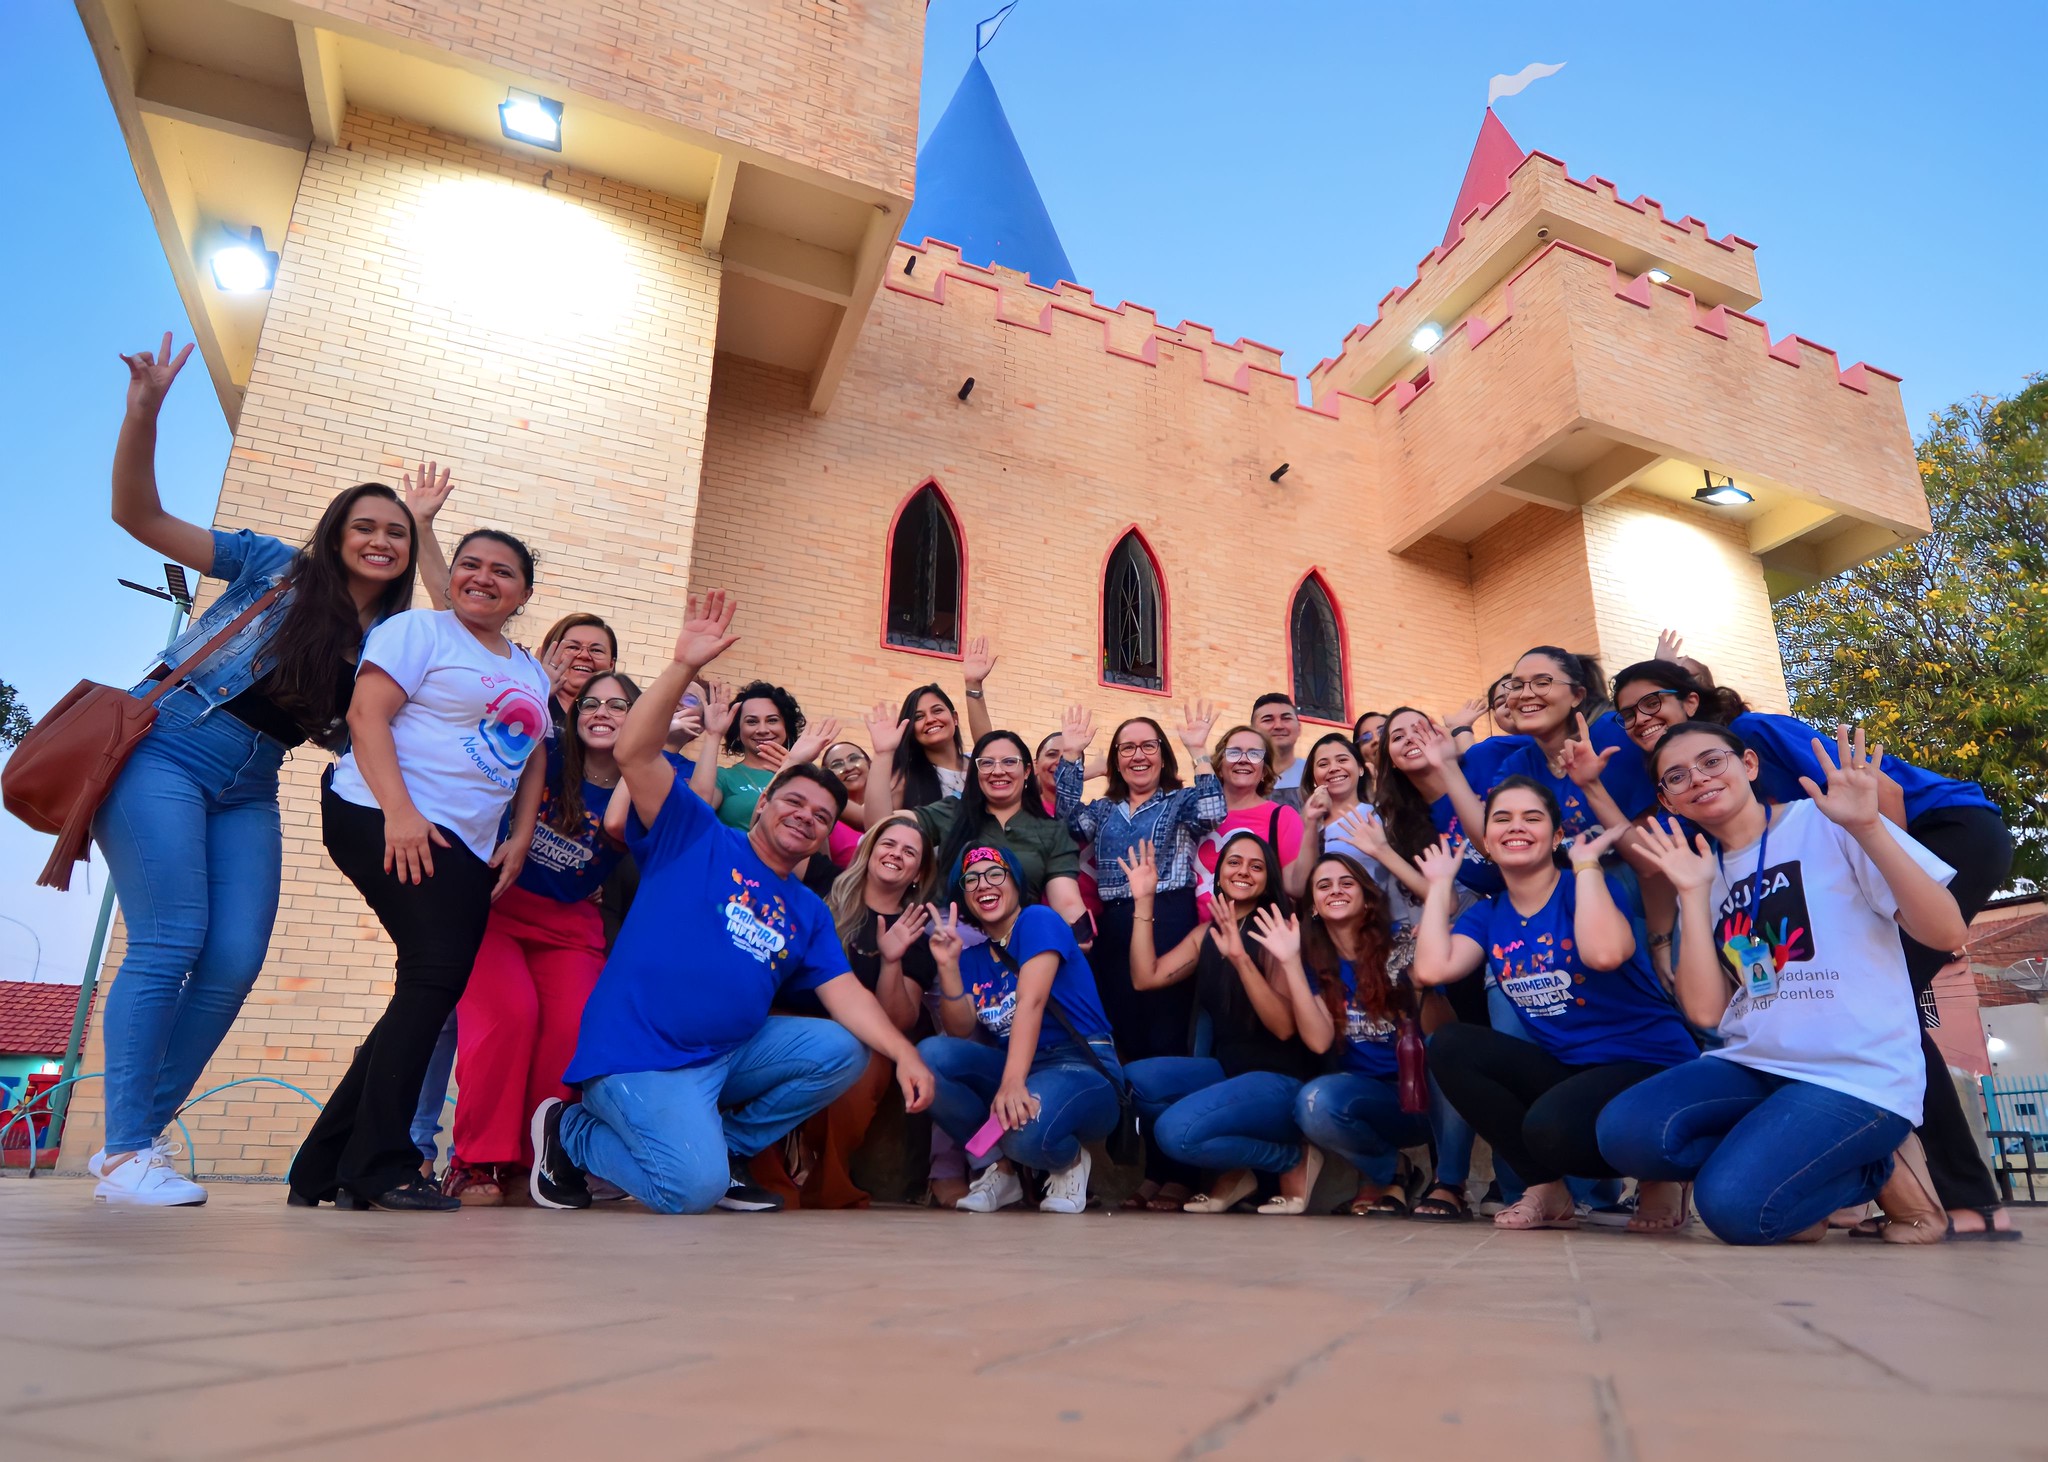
(610, 703)
(1000, 763)
(852, 759)
(1645, 705)
(1534, 682)
(994, 877)
(1148, 748)
(1244, 753)
(1710, 764)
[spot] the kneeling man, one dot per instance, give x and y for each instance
(685, 1075)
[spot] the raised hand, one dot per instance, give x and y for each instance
(1362, 828)
(1589, 845)
(1578, 760)
(426, 494)
(885, 732)
(1438, 749)
(895, 941)
(1224, 933)
(1077, 729)
(1669, 645)
(558, 665)
(1853, 774)
(945, 935)
(977, 663)
(707, 629)
(1466, 715)
(1439, 862)
(1280, 936)
(1197, 717)
(1316, 810)
(1141, 868)
(719, 710)
(1689, 869)
(150, 374)
(811, 745)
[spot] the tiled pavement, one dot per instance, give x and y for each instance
(249, 1330)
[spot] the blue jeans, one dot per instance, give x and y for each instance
(190, 833)
(1767, 1155)
(426, 1118)
(669, 1137)
(1076, 1103)
(1360, 1119)
(1207, 1120)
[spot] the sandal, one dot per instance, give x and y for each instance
(1664, 1223)
(1171, 1198)
(1390, 1204)
(1227, 1196)
(1908, 1200)
(1989, 1234)
(1451, 1208)
(1527, 1212)
(475, 1187)
(1141, 1197)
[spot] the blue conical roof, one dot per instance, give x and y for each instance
(974, 189)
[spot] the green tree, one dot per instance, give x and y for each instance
(14, 717)
(1940, 648)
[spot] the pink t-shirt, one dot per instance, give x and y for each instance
(843, 841)
(1257, 819)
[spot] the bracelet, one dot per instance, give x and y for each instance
(974, 695)
(1592, 867)
(1461, 730)
(961, 996)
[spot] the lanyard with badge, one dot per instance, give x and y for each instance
(1750, 955)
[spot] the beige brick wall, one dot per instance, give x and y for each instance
(550, 340)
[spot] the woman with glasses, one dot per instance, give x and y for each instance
(1365, 735)
(575, 648)
(1790, 914)
(848, 762)
(1953, 820)
(1558, 702)
(542, 952)
(1244, 764)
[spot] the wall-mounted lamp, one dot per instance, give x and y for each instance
(534, 120)
(1278, 472)
(1428, 337)
(1722, 492)
(966, 386)
(1658, 276)
(244, 266)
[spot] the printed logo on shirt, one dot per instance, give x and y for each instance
(512, 725)
(1361, 1028)
(1533, 981)
(1782, 924)
(556, 853)
(996, 1007)
(758, 926)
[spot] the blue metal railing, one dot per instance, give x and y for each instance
(29, 1115)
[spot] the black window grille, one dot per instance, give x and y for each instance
(1132, 652)
(924, 576)
(1318, 653)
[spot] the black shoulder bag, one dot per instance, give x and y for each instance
(1126, 1141)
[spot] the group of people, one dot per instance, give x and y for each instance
(679, 942)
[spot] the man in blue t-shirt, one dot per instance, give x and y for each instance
(685, 1075)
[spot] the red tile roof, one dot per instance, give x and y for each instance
(35, 1019)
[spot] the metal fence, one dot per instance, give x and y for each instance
(2016, 1121)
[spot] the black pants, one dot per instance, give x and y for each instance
(1973, 841)
(1147, 1022)
(1532, 1109)
(363, 1138)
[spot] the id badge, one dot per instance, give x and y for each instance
(1753, 961)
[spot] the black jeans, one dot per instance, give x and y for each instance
(363, 1138)
(1534, 1111)
(1973, 841)
(1147, 1022)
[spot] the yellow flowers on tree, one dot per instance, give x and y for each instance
(1940, 648)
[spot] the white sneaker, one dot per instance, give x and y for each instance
(992, 1188)
(96, 1165)
(148, 1180)
(1066, 1191)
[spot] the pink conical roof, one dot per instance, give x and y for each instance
(1494, 157)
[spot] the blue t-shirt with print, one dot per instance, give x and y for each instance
(1368, 1039)
(992, 984)
(1481, 766)
(1784, 753)
(713, 934)
(1580, 1015)
(561, 867)
(1626, 779)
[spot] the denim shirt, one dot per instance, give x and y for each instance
(1173, 822)
(250, 563)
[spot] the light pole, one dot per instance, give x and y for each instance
(178, 591)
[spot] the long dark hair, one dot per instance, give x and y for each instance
(1335, 738)
(321, 630)
(1583, 673)
(1399, 802)
(760, 690)
(1169, 764)
(974, 802)
(1717, 702)
(911, 764)
(568, 817)
(1319, 953)
(1274, 896)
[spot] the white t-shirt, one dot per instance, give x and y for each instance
(1843, 1015)
(470, 720)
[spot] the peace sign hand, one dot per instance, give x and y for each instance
(427, 495)
(150, 375)
(1853, 773)
(945, 937)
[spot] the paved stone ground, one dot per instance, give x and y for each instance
(246, 1329)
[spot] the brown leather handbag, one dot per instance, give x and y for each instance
(61, 772)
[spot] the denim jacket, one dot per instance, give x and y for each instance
(250, 563)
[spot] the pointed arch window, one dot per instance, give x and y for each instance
(926, 575)
(1315, 644)
(1133, 624)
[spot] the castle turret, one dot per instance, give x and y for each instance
(1495, 156)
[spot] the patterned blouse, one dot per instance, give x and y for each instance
(1174, 822)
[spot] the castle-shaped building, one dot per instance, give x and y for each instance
(667, 283)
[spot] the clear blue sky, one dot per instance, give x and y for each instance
(1268, 169)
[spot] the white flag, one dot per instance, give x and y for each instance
(986, 31)
(1502, 86)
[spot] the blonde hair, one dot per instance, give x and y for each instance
(849, 903)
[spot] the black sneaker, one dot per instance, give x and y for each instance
(554, 1182)
(742, 1195)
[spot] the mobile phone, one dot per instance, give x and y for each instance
(990, 1134)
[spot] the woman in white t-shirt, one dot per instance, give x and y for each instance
(446, 715)
(1789, 919)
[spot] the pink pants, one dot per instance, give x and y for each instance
(516, 1026)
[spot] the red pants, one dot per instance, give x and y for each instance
(516, 1026)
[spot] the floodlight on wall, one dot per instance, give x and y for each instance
(1722, 492)
(1658, 276)
(534, 120)
(1278, 472)
(243, 266)
(1427, 338)
(1995, 1046)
